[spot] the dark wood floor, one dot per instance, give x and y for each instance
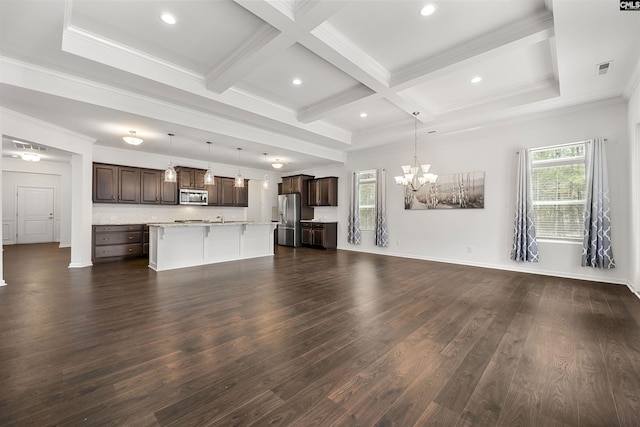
(311, 337)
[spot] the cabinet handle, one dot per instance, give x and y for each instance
(130, 250)
(130, 237)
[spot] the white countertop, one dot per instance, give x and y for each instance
(203, 224)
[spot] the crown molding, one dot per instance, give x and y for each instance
(26, 75)
(334, 104)
(508, 94)
(89, 45)
(367, 70)
(530, 30)
(263, 45)
(49, 127)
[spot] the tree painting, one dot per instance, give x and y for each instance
(463, 190)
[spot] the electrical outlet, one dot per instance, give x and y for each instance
(154, 216)
(469, 249)
(114, 217)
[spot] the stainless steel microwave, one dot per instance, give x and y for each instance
(194, 197)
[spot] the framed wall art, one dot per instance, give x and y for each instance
(464, 190)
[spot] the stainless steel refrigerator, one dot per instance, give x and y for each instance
(289, 219)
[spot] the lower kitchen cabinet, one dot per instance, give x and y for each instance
(319, 234)
(117, 242)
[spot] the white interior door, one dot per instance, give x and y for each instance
(35, 215)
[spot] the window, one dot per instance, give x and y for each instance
(367, 199)
(559, 191)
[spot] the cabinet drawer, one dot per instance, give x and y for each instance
(117, 250)
(102, 239)
(99, 228)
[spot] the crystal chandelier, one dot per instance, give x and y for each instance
(416, 175)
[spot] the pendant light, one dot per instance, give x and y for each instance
(265, 181)
(239, 180)
(132, 138)
(415, 174)
(170, 173)
(209, 178)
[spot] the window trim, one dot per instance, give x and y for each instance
(546, 163)
(372, 180)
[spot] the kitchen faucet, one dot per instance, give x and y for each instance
(221, 217)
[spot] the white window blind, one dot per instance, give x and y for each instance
(558, 180)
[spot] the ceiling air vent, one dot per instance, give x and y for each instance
(603, 68)
(27, 146)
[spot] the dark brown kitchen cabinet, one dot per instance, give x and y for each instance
(169, 191)
(214, 191)
(117, 242)
(105, 183)
(154, 190)
(128, 185)
(229, 195)
(295, 184)
(190, 178)
(319, 234)
(241, 195)
(323, 191)
(225, 192)
(151, 186)
(115, 184)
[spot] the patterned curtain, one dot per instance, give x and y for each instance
(596, 246)
(382, 237)
(525, 247)
(353, 232)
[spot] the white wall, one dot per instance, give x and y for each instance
(18, 173)
(447, 235)
(634, 209)
(26, 128)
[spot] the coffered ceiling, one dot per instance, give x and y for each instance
(224, 71)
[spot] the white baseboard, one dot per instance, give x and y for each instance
(80, 265)
(3, 283)
(498, 267)
(64, 245)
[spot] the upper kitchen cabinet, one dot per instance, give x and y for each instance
(295, 184)
(155, 191)
(190, 178)
(227, 194)
(115, 184)
(128, 185)
(323, 191)
(241, 195)
(105, 183)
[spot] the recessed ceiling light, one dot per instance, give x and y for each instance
(363, 115)
(476, 79)
(296, 82)
(428, 9)
(168, 18)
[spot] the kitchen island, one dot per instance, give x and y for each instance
(179, 245)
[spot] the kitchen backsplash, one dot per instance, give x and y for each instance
(144, 214)
(326, 214)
